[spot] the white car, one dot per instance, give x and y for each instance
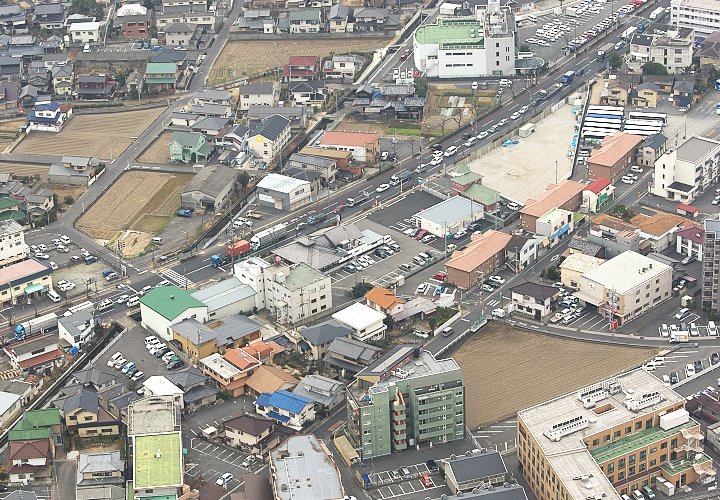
(123, 298)
(111, 362)
(515, 116)
(716, 200)
(66, 287)
(523, 110)
(53, 266)
(436, 161)
(409, 231)
(482, 135)
(637, 169)
(224, 479)
(497, 279)
(450, 151)
(474, 85)
(627, 180)
(41, 255)
(422, 288)
(470, 142)
(382, 187)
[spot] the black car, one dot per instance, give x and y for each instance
(132, 371)
(715, 358)
(161, 352)
(432, 466)
(698, 366)
(474, 226)
(381, 253)
(674, 378)
(175, 365)
(436, 147)
(466, 136)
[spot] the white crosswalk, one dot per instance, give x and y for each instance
(177, 278)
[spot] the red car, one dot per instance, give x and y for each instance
(338, 209)
(420, 234)
(426, 481)
(440, 275)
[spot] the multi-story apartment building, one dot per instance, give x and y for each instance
(711, 265)
(610, 438)
(683, 173)
(12, 242)
(672, 48)
(626, 286)
(403, 399)
(295, 293)
(700, 15)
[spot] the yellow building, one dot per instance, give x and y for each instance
(612, 437)
(84, 416)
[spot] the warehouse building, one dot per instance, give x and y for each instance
(449, 216)
(210, 188)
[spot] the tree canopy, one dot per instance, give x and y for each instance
(87, 8)
(653, 68)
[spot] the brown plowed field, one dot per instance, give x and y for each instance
(506, 369)
(139, 201)
(103, 136)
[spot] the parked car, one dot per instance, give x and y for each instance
(175, 365)
(426, 481)
(447, 331)
(432, 466)
(224, 479)
(440, 275)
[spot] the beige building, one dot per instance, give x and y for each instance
(12, 242)
(626, 286)
(672, 48)
(295, 293)
(574, 266)
(610, 438)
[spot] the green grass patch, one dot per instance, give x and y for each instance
(404, 131)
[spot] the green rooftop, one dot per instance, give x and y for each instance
(157, 460)
(466, 179)
(452, 32)
(636, 441)
(482, 194)
(8, 202)
(674, 467)
(29, 435)
(170, 301)
(39, 418)
(16, 215)
(160, 68)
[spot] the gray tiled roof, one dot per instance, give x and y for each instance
(477, 465)
(325, 332)
(272, 127)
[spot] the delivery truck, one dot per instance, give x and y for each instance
(359, 200)
(263, 238)
(677, 337)
(238, 249)
(605, 51)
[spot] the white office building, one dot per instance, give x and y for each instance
(466, 47)
(701, 15)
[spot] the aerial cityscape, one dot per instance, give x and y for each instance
(359, 249)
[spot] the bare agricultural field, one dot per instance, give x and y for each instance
(103, 136)
(157, 151)
(250, 57)
(506, 369)
(141, 202)
(25, 170)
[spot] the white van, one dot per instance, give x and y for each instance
(52, 295)
(659, 361)
(712, 329)
(86, 48)
(157, 240)
(133, 301)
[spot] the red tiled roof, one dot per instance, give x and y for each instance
(694, 233)
(241, 359)
(39, 360)
(598, 185)
(302, 60)
(614, 147)
(36, 448)
(479, 250)
(298, 72)
(20, 270)
(687, 208)
(258, 350)
(556, 195)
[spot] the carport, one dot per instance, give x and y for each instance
(347, 452)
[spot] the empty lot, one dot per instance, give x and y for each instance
(506, 369)
(158, 151)
(250, 57)
(142, 202)
(103, 136)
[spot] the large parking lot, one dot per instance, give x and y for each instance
(395, 485)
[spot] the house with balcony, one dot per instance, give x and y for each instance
(534, 299)
(49, 16)
(338, 18)
(161, 76)
(29, 461)
(269, 138)
(93, 87)
(375, 19)
(50, 117)
(301, 69)
(251, 433)
(286, 408)
(683, 173)
(189, 147)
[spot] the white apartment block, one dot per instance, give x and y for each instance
(295, 293)
(684, 173)
(12, 242)
(701, 15)
(673, 49)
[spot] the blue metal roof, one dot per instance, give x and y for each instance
(276, 416)
(285, 400)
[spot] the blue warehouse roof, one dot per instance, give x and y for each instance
(285, 400)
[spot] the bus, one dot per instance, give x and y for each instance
(628, 33)
(607, 110)
(649, 124)
(567, 78)
(603, 116)
(598, 123)
(616, 114)
(641, 115)
(596, 133)
(640, 131)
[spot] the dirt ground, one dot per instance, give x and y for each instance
(142, 202)
(250, 57)
(350, 125)
(506, 369)
(8, 128)
(157, 151)
(534, 157)
(103, 136)
(449, 107)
